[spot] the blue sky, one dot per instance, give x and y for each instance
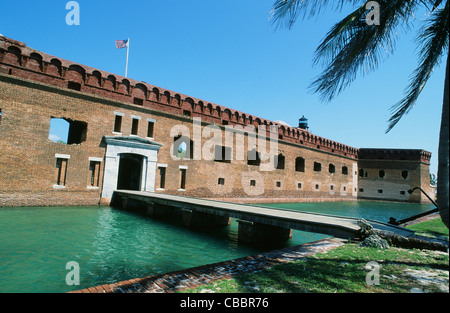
(227, 53)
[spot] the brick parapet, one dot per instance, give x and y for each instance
(395, 154)
(18, 60)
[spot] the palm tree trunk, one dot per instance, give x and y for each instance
(443, 158)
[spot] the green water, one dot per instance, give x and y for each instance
(111, 245)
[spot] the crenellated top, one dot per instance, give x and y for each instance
(19, 60)
(395, 154)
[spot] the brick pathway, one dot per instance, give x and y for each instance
(194, 277)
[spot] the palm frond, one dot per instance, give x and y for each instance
(433, 38)
(352, 46)
(286, 12)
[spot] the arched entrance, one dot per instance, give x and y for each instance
(130, 171)
(130, 163)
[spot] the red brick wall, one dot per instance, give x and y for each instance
(34, 88)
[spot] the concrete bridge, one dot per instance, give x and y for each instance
(257, 224)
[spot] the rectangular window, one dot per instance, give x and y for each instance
(162, 177)
(299, 185)
(222, 154)
(61, 171)
(118, 124)
(361, 189)
(253, 183)
(380, 190)
(317, 167)
(300, 164)
(182, 178)
(138, 101)
(94, 173)
(221, 181)
(135, 126)
(74, 86)
(150, 128)
(278, 184)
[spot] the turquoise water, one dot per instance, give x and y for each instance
(112, 245)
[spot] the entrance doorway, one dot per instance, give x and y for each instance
(130, 164)
(130, 171)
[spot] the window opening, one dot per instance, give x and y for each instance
(61, 171)
(135, 126)
(182, 178)
(67, 131)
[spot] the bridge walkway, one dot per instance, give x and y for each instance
(337, 226)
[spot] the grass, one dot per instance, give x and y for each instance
(432, 228)
(344, 270)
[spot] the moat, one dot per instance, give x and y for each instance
(112, 245)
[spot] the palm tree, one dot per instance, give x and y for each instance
(352, 46)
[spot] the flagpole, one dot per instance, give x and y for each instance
(128, 51)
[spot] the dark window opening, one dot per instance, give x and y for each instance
(317, 167)
(345, 188)
(299, 164)
(278, 184)
(362, 173)
(332, 169)
(222, 154)
(361, 189)
(382, 174)
(94, 170)
(151, 126)
(135, 126)
(331, 187)
(280, 162)
(402, 192)
(186, 113)
(252, 182)
(138, 101)
(61, 171)
(317, 186)
(74, 86)
(299, 185)
(253, 158)
(224, 122)
(344, 170)
(221, 181)
(67, 131)
(118, 124)
(162, 177)
(405, 174)
(380, 190)
(182, 178)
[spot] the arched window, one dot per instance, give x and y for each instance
(331, 168)
(183, 147)
(281, 160)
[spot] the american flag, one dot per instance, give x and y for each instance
(121, 43)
